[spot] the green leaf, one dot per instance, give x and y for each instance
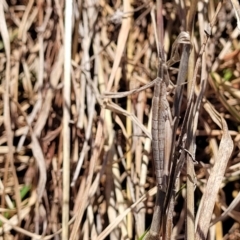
(227, 74)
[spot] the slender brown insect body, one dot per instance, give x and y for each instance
(159, 117)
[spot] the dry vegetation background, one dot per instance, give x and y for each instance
(112, 182)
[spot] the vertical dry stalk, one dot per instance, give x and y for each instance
(190, 167)
(66, 117)
(129, 125)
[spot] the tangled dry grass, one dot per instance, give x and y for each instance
(77, 164)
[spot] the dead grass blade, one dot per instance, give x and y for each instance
(38, 154)
(215, 178)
